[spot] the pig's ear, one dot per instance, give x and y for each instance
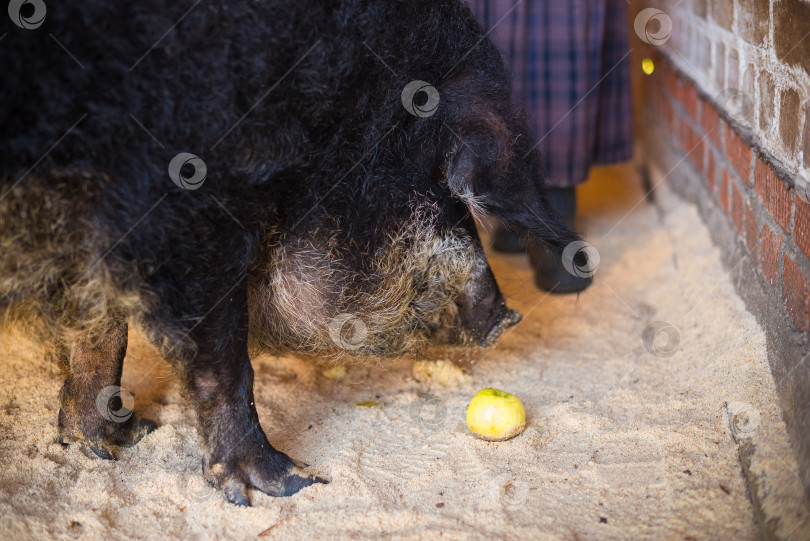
(482, 172)
(480, 154)
(461, 179)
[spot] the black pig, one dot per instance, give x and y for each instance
(236, 174)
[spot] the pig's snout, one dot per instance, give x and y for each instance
(483, 315)
(483, 323)
(506, 318)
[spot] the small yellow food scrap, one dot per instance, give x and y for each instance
(367, 404)
(496, 415)
(336, 373)
(444, 373)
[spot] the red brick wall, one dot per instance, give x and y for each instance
(754, 52)
(725, 115)
(756, 194)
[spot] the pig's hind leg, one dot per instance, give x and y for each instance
(93, 407)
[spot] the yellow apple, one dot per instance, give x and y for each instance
(496, 415)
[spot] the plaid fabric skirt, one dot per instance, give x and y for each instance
(570, 65)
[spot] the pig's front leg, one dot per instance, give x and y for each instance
(219, 380)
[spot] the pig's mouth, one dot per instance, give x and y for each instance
(459, 334)
(507, 318)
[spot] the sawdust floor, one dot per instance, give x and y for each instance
(621, 443)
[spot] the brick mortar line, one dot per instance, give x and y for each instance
(759, 208)
(720, 157)
(788, 246)
(786, 249)
(759, 55)
(746, 135)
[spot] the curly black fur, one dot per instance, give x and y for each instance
(319, 183)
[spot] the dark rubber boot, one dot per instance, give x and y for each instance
(550, 272)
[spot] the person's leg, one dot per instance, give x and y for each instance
(597, 128)
(550, 272)
(550, 66)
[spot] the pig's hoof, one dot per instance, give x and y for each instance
(133, 431)
(89, 448)
(280, 476)
(102, 439)
(101, 450)
(294, 482)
